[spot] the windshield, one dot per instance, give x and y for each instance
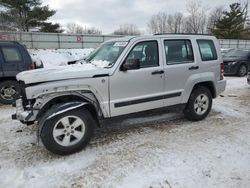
(107, 54)
(236, 53)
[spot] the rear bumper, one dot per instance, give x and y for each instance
(221, 86)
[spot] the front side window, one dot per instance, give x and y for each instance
(11, 54)
(178, 51)
(207, 50)
(146, 52)
(107, 54)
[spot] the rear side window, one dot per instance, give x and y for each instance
(146, 52)
(178, 51)
(207, 50)
(11, 54)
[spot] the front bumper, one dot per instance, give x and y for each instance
(21, 114)
(230, 69)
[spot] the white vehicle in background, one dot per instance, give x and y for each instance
(123, 76)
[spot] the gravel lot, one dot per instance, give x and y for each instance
(164, 150)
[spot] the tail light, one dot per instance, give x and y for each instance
(31, 66)
(221, 71)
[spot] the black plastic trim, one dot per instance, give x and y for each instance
(150, 99)
(100, 75)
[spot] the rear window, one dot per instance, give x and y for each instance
(207, 50)
(178, 51)
(11, 54)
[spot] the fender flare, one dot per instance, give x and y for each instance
(56, 110)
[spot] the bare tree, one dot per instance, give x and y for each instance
(74, 28)
(175, 23)
(170, 24)
(197, 19)
(92, 31)
(164, 23)
(127, 29)
(178, 22)
(158, 23)
(215, 15)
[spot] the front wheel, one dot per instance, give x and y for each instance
(242, 70)
(9, 91)
(68, 132)
(199, 104)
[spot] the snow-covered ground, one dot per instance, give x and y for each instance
(52, 57)
(164, 150)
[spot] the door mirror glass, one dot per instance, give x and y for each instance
(130, 64)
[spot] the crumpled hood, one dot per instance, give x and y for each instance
(61, 73)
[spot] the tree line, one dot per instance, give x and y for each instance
(223, 22)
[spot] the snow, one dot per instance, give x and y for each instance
(100, 63)
(58, 57)
(161, 150)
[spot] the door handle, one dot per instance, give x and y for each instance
(158, 72)
(194, 68)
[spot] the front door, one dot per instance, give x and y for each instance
(141, 89)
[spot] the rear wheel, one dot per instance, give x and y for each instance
(242, 70)
(199, 104)
(68, 132)
(9, 91)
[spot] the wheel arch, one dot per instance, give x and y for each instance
(94, 109)
(207, 84)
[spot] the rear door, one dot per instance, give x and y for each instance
(181, 69)
(12, 60)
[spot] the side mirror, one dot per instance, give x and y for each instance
(131, 64)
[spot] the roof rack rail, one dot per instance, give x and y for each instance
(182, 34)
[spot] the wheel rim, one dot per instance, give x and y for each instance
(201, 104)
(69, 130)
(243, 70)
(8, 92)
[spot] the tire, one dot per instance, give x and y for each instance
(9, 91)
(62, 137)
(199, 104)
(242, 71)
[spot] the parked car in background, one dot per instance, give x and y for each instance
(237, 62)
(225, 50)
(123, 76)
(14, 58)
(248, 78)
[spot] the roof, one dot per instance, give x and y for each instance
(160, 35)
(8, 42)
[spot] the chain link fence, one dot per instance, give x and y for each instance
(63, 41)
(35, 40)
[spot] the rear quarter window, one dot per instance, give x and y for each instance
(11, 54)
(207, 50)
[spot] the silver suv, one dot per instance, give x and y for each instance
(121, 77)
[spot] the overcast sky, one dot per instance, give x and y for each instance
(108, 15)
